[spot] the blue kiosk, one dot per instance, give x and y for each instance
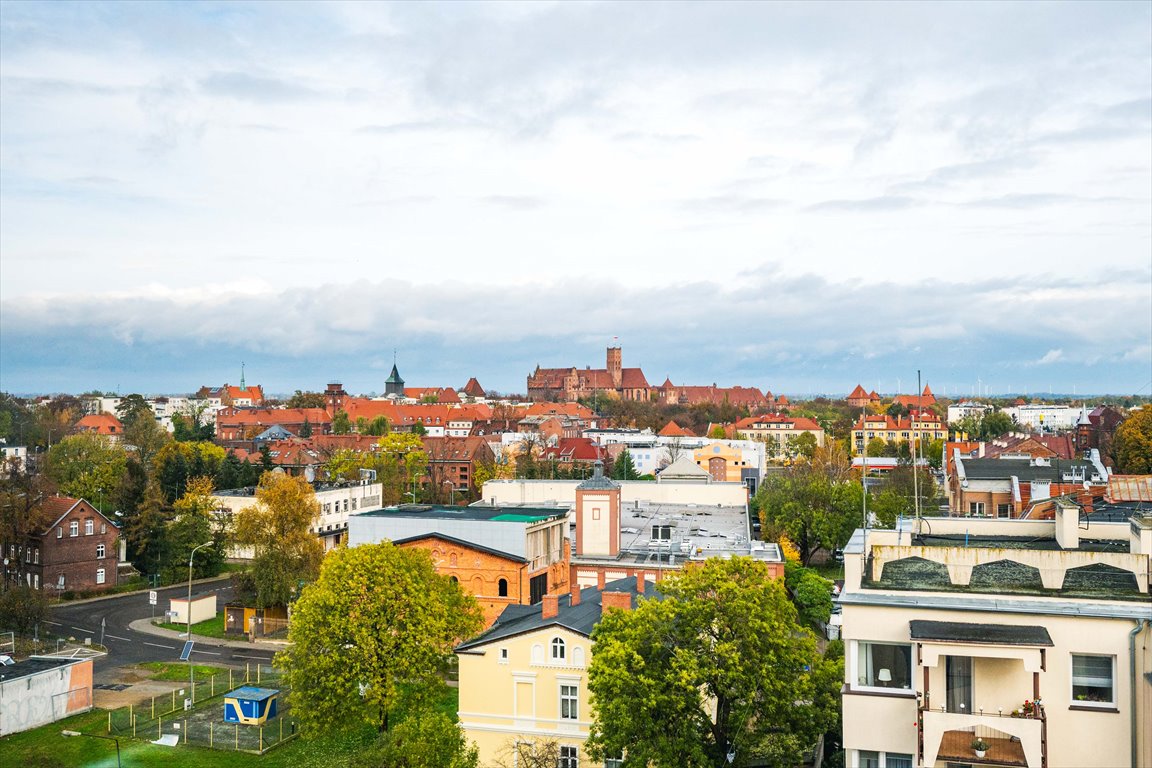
(250, 705)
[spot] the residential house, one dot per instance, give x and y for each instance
(12, 458)
(236, 426)
(79, 550)
(502, 556)
(452, 464)
(1005, 487)
(101, 424)
(918, 426)
(228, 396)
(575, 451)
(1043, 416)
(776, 432)
(1096, 429)
(525, 679)
(1031, 635)
(963, 410)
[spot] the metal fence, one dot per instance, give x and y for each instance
(195, 715)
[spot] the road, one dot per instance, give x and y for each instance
(127, 646)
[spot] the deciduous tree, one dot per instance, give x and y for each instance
(719, 667)
(378, 617)
(87, 466)
(424, 740)
(194, 522)
(1132, 445)
(285, 551)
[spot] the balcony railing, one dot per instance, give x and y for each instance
(1012, 740)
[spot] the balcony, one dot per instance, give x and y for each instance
(1012, 741)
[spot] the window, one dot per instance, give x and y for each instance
(662, 532)
(103, 528)
(59, 533)
(613, 762)
(74, 528)
(502, 587)
(99, 575)
(569, 702)
(1092, 680)
(1002, 510)
(976, 508)
(60, 581)
(884, 665)
(503, 655)
(99, 551)
(89, 527)
(893, 760)
(569, 757)
(557, 649)
(869, 759)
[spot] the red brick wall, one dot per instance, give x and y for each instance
(74, 557)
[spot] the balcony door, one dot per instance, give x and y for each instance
(959, 684)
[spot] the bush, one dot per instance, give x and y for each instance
(21, 609)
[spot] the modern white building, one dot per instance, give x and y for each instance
(999, 643)
(1050, 418)
(958, 411)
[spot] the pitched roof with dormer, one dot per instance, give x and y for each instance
(101, 424)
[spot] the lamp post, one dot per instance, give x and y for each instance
(451, 490)
(188, 608)
(97, 736)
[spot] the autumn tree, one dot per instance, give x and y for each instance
(87, 466)
(285, 552)
(718, 673)
(194, 522)
(1132, 445)
(378, 621)
(423, 740)
(176, 462)
(813, 509)
(22, 517)
(306, 400)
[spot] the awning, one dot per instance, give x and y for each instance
(979, 634)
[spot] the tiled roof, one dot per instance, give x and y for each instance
(858, 394)
(672, 429)
(633, 378)
(473, 388)
(101, 424)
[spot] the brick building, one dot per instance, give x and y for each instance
(79, 550)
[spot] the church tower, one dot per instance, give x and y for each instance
(615, 369)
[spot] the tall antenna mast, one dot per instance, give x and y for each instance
(915, 452)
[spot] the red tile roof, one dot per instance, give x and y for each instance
(101, 424)
(672, 429)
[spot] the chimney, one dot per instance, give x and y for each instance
(551, 605)
(600, 580)
(640, 585)
(621, 600)
(575, 593)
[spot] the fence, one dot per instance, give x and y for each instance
(196, 715)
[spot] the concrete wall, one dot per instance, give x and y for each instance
(45, 697)
(564, 492)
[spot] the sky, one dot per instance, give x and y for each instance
(798, 197)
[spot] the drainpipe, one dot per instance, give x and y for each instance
(1140, 625)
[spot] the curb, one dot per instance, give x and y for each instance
(145, 626)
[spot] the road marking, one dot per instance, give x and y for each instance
(81, 629)
(117, 637)
(210, 653)
(242, 656)
(53, 623)
(157, 645)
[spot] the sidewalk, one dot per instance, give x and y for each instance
(147, 627)
(114, 595)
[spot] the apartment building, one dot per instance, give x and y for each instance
(999, 643)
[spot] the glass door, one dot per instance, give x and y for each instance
(959, 684)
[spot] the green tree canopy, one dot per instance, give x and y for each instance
(423, 740)
(815, 511)
(1132, 445)
(720, 665)
(134, 408)
(277, 527)
(379, 616)
(194, 523)
(341, 424)
(306, 400)
(87, 466)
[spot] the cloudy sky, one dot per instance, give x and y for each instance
(798, 197)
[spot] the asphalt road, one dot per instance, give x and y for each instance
(127, 646)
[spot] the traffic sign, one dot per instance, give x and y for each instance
(152, 597)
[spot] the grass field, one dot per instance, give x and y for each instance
(213, 627)
(45, 747)
(177, 671)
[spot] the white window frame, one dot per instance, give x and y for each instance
(73, 528)
(100, 575)
(503, 656)
(559, 650)
(1111, 704)
(976, 509)
(100, 551)
(570, 696)
(89, 527)
(857, 672)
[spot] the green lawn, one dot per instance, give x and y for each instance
(213, 627)
(45, 747)
(178, 671)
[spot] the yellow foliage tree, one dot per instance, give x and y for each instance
(286, 553)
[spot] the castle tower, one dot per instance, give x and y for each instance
(615, 366)
(598, 515)
(334, 396)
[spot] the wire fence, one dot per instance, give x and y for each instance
(195, 714)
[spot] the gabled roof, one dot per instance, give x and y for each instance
(101, 424)
(58, 507)
(857, 394)
(519, 619)
(672, 429)
(460, 543)
(684, 466)
(473, 388)
(633, 378)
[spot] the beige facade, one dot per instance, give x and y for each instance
(955, 632)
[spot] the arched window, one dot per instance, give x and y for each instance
(454, 579)
(502, 585)
(557, 649)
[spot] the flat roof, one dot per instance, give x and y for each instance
(32, 666)
(1017, 542)
(984, 634)
(252, 693)
(478, 513)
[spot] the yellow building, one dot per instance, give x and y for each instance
(1031, 637)
(525, 680)
(722, 462)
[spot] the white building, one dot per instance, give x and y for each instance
(963, 410)
(1041, 416)
(18, 454)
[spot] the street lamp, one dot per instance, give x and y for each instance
(451, 490)
(188, 608)
(97, 736)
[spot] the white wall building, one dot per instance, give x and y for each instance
(965, 409)
(1048, 417)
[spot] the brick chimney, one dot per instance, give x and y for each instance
(640, 583)
(551, 605)
(575, 593)
(600, 580)
(621, 600)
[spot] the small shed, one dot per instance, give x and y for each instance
(250, 705)
(203, 608)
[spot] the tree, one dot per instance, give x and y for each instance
(22, 518)
(538, 753)
(146, 436)
(341, 424)
(22, 608)
(87, 466)
(811, 592)
(719, 666)
(378, 426)
(134, 408)
(623, 468)
(146, 532)
(176, 462)
(285, 550)
(194, 522)
(423, 740)
(379, 617)
(306, 400)
(1132, 444)
(814, 510)
(191, 426)
(996, 424)
(717, 432)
